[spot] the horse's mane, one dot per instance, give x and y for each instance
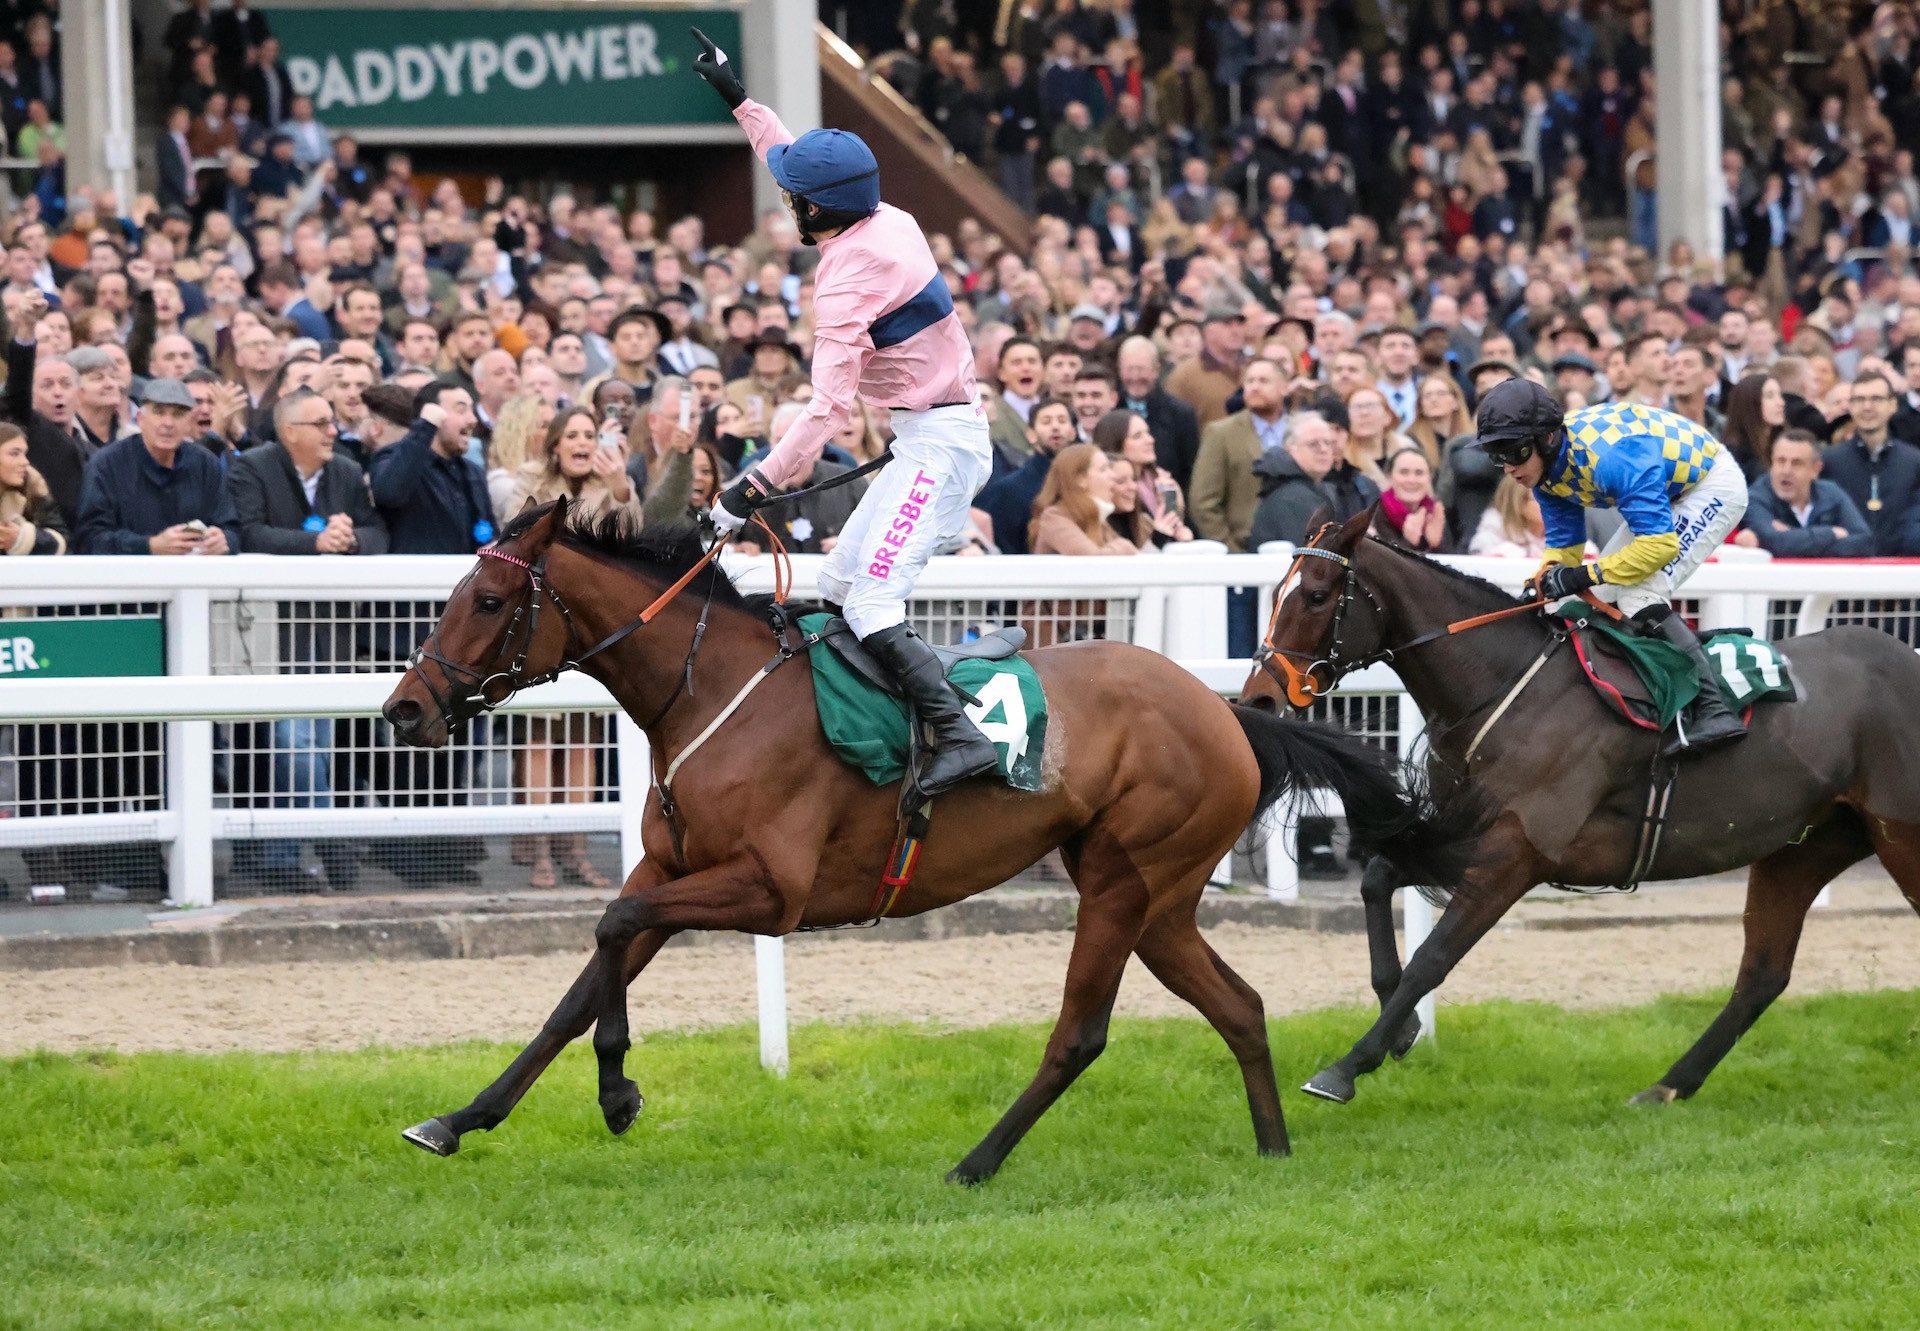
(663, 551)
(1479, 587)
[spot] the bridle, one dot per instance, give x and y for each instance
(1302, 686)
(470, 692)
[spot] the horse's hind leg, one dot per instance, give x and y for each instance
(1780, 890)
(568, 1023)
(1180, 958)
(1113, 901)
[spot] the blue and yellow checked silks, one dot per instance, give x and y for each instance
(1637, 459)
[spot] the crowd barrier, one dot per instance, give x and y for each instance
(195, 707)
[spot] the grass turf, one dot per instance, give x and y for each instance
(1496, 1180)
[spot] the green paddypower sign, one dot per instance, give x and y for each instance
(80, 648)
(503, 68)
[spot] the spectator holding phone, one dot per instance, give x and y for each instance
(1126, 437)
(586, 464)
(146, 494)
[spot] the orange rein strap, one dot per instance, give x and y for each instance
(1301, 686)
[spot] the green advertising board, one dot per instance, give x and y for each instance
(509, 70)
(80, 648)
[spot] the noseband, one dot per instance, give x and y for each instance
(1301, 684)
(470, 692)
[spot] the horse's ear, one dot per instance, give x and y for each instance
(1353, 531)
(542, 533)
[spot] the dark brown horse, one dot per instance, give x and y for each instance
(1149, 778)
(1817, 786)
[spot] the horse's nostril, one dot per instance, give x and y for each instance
(402, 713)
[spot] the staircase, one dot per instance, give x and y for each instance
(918, 170)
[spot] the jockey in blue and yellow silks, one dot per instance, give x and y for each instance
(1677, 490)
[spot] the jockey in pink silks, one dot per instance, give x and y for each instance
(885, 330)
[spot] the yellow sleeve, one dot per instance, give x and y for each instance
(1566, 554)
(1639, 557)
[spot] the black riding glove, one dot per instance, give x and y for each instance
(1564, 580)
(738, 501)
(712, 65)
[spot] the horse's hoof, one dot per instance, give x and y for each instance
(622, 1108)
(1330, 1084)
(969, 1175)
(1408, 1037)
(435, 1136)
(1656, 1094)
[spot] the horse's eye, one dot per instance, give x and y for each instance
(1317, 599)
(488, 605)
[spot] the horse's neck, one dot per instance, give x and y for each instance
(1450, 676)
(646, 670)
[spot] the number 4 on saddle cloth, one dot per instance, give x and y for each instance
(868, 726)
(1650, 682)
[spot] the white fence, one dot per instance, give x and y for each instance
(254, 639)
(257, 639)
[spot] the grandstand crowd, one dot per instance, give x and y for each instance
(1280, 248)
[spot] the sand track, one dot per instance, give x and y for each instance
(960, 982)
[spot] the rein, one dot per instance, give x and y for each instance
(471, 692)
(1302, 686)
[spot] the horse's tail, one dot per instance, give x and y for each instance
(1431, 838)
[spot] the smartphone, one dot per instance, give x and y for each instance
(1169, 496)
(686, 409)
(197, 527)
(610, 437)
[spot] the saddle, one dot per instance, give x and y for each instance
(1648, 682)
(995, 646)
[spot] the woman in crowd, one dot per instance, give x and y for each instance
(1440, 416)
(859, 438)
(725, 427)
(1141, 488)
(519, 437)
(1372, 439)
(1756, 413)
(1070, 516)
(572, 461)
(1512, 527)
(575, 463)
(1409, 515)
(30, 522)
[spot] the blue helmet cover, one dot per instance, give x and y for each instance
(829, 168)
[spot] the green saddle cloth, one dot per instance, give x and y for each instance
(868, 728)
(1750, 669)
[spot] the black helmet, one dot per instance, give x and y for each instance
(1517, 418)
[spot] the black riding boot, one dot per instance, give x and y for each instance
(959, 749)
(1712, 723)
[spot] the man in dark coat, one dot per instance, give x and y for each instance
(39, 399)
(1176, 430)
(298, 496)
(1305, 477)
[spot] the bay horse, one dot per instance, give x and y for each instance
(1149, 778)
(1817, 786)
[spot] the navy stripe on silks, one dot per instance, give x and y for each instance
(933, 303)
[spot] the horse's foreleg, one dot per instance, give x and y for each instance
(730, 897)
(1464, 922)
(568, 1023)
(1377, 886)
(1780, 891)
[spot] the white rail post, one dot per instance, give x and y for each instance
(1416, 912)
(770, 979)
(189, 782)
(636, 783)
